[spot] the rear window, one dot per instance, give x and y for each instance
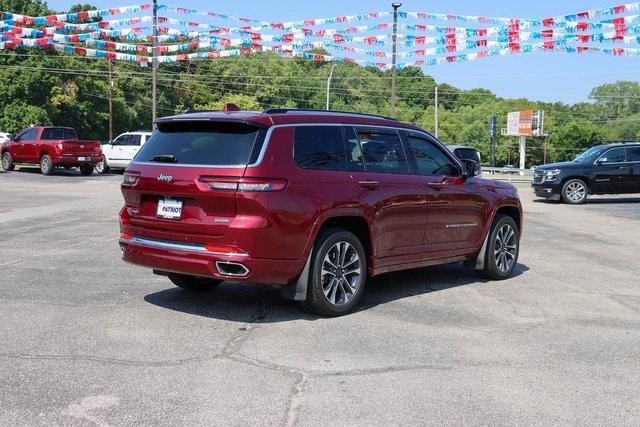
(319, 147)
(59, 133)
(197, 143)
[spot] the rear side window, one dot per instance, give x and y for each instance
(203, 143)
(130, 140)
(58, 133)
(319, 147)
(634, 154)
(382, 151)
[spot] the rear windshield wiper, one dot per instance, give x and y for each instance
(164, 158)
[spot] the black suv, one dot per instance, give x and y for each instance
(603, 169)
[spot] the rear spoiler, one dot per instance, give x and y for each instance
(201, 119)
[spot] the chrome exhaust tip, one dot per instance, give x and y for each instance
(232, 269)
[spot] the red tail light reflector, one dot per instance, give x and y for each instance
(224, 249)
(125, 235)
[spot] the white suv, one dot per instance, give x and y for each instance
(119, 153)
(4, 137)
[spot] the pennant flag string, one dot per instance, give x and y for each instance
(75, 16)
(129, 38)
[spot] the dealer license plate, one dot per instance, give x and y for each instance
(82, 159)
(169, 209)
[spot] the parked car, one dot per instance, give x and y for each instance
(119, 153)
(467, 153)
(603, 169)
(511, 169)
(51, 146)
(312, 201)
(4, 137)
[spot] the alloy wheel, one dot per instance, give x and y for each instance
(506, 248)
(45, 165)
(341, 273)
(6, 162)
(576, 192)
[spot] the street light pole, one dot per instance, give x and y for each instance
(154, 63)
(393, 57)
(329, 82)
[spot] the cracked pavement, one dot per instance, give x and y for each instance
(89, 340)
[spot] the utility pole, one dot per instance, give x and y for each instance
(333, 65)
(110, 102)
(436, 118)
(154, 63)
(393, 57)
(493, 131)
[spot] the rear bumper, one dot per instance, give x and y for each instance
(74, 160)
(176, 258)
(549, 191)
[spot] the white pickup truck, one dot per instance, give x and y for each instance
(119, 153)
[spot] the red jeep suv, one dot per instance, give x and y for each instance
(313, 201)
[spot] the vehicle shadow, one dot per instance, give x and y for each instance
(35, 170)
(612, 200)
(595, 201)
(547, 201)
(259, 303)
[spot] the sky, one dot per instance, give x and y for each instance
(537, 76)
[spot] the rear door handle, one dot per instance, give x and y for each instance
(435, 184)
(368, 184)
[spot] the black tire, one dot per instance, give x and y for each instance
(346, 298)
(575, 192)
(7, 162)
(46, 165)
(86, 170)
(493, 268)
(102, 167)
(193, 283)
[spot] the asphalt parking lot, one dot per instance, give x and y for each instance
(87, 339)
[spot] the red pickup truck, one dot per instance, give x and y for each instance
(51, 146)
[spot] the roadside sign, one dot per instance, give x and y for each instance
(525, 123)
(493, 123)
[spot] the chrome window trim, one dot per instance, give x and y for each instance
(267, 140)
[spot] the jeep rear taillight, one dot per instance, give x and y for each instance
(130, 178)
(246, 185)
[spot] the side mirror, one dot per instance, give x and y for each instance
(11, 136)
(602, 160)
(469, 168)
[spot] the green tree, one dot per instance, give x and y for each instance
(621, 98)
(25, 7)
(18, 116)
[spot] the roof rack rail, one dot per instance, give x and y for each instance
(311, 110)
(201, 111)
